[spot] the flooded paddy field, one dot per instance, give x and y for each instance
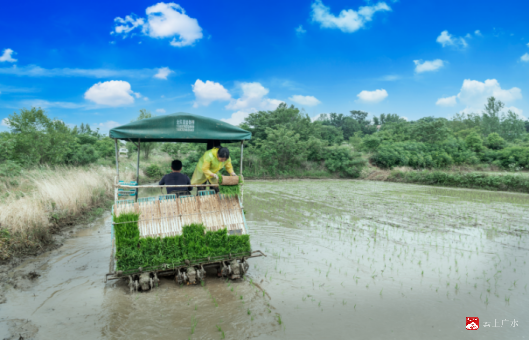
(345, 259)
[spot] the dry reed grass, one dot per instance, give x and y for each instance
(54, 197)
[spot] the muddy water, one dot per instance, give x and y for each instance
(346, 259)
(71, 301)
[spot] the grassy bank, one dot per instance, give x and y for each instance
(478, 180)
(480, 176)
(39, 202)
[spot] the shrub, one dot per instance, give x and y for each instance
(9, 168)
(83, 155)
(495, 141)
(508, 158)
(189, 163)
(468, 180)
(474, 142)
(316, 149)
(371, 142)
(424, 155)
(344, 161)
(153, 171)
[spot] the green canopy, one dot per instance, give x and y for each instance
(179, 127)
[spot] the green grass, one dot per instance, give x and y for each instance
(506, 182)
(133, 252)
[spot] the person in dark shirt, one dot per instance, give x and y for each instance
(176, 178)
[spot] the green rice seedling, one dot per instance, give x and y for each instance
(193, 324)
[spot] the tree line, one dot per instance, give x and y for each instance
(286, 139)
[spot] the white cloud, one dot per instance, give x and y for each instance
(390, 78)
(145, 98)
(136, 94)
(124, 26)
(253, 97)
(474, 91)
(447, 101)
(163, 72)
(477, 32)
(447, 39)
(300, 30)
(5, 122)
(428, 65)
(37, 71)
(162, 111)
(252, 100)
(164, 20)
(111, 93)
(46, 104)
(207, 92)
(524, 57)
(7, 56)
(474, 94)
(314, 118)
(236, 118)
(348, 20)
(373, 96)
(106, 126)
(305, 100)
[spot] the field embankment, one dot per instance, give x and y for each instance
(39, 202)
(512, 182)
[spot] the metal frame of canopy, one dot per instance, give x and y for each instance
(174, 138)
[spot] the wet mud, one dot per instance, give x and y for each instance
(346, 260)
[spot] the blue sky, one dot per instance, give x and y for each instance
(100, 63)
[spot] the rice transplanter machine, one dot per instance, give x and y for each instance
(166, 215)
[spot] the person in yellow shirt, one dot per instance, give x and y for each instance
(209, 165)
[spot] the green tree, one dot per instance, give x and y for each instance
(371, 143)
(474, 142)
(365, 125)
(465, 121)
(388, 118)
(282, 149)
(81, 155)
(495, 141)
(145, 147)
(356, 140)
(316, 149)
(359, 116)
(289, 118)
(343, 160)
(39, 139)
(329, 133)
(396, 131)
(430, 130)
(105, 147)
(491, 118)
(7, 146)
(512, 127)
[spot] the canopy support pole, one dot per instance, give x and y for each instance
(138, 170)
(117, 159)
(241, 171)
(117, 169)
(241, 161)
